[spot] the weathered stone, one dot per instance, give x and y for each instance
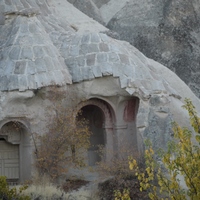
(102, 57)
(124, 59)
(20, 67)
(80, 60)
(14, 53)
(95, 38)
(90, 59)
(113, 57)
(103, 47)
(2, 18)
(106, 69)
(167, 31)
(97, 71)
(122, 92)
(74, 51)
(26, 53)
(93, 48)
(85, 39)
(38, 52)
(83, 49)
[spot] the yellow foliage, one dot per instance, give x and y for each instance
(181, 159)
(125, 195)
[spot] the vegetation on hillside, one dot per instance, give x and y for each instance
(177, 176)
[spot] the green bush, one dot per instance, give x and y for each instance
(7, 193)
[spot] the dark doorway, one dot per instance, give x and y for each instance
(96, 120)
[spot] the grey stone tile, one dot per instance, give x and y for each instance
(90, 59)
(124, 59)
(25, 4)
(123, 81)
(73, 50)
(49, 64)
(87, 73)
(4, 82)
(40, 65)
(59, 79)
(116, 70)
(85, 39)
(128, 70)
(20, 67)
(101, 57)
(26, 53)
(9, 67)
(41, 79)
(106, 69)
(80, 60)
(95, 38)
(38, 39)
(8, 2)
(38, 51)
(23, 85)
(14, 30)
(31, 82)
(2, 18)
(113, 57)
(97, 71)
(83, 49)
(93, 48)
(75, 40)
(24, 28)
(103, 47)
(105, 38)
(51, 77)
(77, 75)
(13, 83)
(70, 62)
(14, 53)
(30, 68)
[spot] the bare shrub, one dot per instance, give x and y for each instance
(65, 141)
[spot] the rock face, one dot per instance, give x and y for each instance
(126, 96)
(166, 31)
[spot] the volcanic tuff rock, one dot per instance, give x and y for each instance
(45, 43)
(167, 31)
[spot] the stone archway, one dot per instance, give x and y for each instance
(15, 159)
(96, 120)
(99, 116)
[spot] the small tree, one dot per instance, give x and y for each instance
(181, 160)
(8, 193)
(65, 141)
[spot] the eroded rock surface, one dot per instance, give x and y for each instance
(51, 43)
(166, 31)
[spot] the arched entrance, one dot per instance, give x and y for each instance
(96, 119)
(15, 156)
(99, 116)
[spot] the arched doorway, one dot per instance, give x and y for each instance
(96, 119)
(15, 152)
(101, 118)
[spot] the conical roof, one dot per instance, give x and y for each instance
(28, 57)
(39, 46)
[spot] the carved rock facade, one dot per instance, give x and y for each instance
(51, 43)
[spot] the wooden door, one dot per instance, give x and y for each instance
(9, 160)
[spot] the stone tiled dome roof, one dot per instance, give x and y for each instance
(28, 57)
(94, 55)
(38, 48)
